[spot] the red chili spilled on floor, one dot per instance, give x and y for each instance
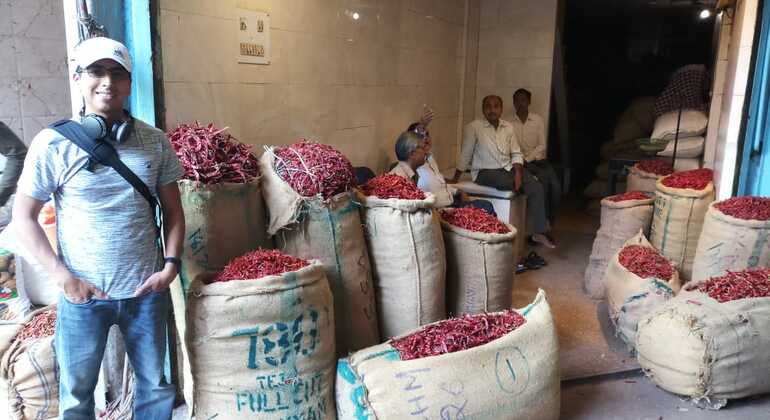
(645, 262)
(473, 219)
(457, 334)
(696, 179)
(258, 264)
(738, 285)
(209, 155)
(40, 326)
(655, 166)
(312, 168)
(392, 186)
(631, 195)
(746, 208)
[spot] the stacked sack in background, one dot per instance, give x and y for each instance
(638, 279)
(223, 207)
(622, 216)
(502, 365)
(692, 128)
(644, 175)
(735, 236)
(308, 189)
(29, 377)
(262, 339)
(681, 202)
(480, 262)
(403, 235)
(710, 342)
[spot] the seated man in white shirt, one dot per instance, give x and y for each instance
(410, 155)
(431, 180)
(530, 131)
(491, 152)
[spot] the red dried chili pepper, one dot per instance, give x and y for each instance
(655, 167)
(209, 155)
(258, 264)
(313, 168)
(696, 179)
(42, 325)
(738, 285)
(457, 334)
(631, 195)
(746, 208)
(645, 262)
(392, 186)
(473, 219)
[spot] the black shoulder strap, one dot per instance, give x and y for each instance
(104, 153)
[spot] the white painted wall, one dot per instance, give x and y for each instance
(354, 84)
(34, 90)
(516, 47)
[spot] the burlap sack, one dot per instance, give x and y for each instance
(222, 221)
(695, 346)
(263, 348)
(728, 243)
(619, 222)
(330, 231)
(29, 378)
(513, 377)
(639, 180)
(408, 262)
(677, 223)
(630, 297)
(480, 269)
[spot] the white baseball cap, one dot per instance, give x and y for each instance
(94, 49)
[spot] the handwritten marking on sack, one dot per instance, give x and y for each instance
(302, 395)
(275, 344)
(511, 370)
(196, 241)
(417, 400)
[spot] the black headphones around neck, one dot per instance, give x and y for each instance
(96, 127)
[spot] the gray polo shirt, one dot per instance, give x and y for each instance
(105, 229)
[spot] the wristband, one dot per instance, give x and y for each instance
(176, 261)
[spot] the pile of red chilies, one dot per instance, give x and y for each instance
(210, 156)
(696, 179)
(313, 168)
(631, 195)
(746, 208)
(42, 325)
(258, 264)
(473, 219)
(655, 167)
(645, 262)
(392, 186)
(738, 285)
(457, 334)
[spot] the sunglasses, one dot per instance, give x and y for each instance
(98, 72)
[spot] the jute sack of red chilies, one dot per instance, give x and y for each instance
(677, 223)
(329, 231)
(29, 377)
(728, 243)
(695, 346)
(640, 180)
(263, 348)
(629, 296)
(480, 269)
(408, 261)
(514, 377)
(619, 222)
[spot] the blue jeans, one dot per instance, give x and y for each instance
(81, 336)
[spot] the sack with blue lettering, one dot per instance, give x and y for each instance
(513, 377)
(728, 243)
(263, 348)
(331, 232)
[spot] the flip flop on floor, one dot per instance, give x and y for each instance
(521, 267)
(534, 261)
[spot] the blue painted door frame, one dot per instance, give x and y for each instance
(754, 177)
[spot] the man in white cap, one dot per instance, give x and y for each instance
(109, 267)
